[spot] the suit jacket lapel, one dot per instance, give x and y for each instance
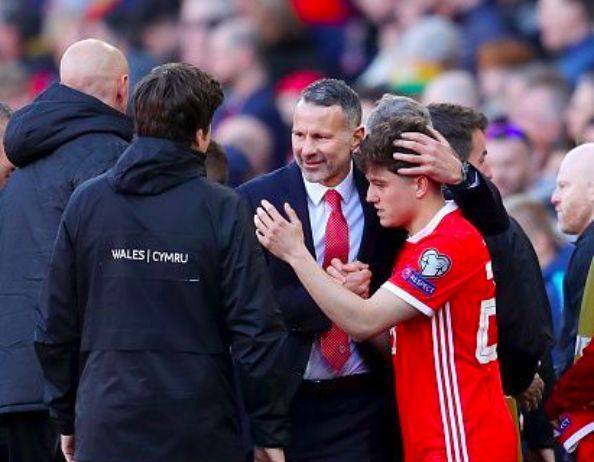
(297, 198)
(370, 222)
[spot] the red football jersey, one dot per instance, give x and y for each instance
(448, 386)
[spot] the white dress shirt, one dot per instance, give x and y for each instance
(319, 211)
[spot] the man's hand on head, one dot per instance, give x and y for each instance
(436, 158)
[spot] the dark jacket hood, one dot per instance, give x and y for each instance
(57, 116)
(153, 165)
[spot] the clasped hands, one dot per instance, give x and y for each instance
(284, 239)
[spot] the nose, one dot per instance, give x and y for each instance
(486, 170)
(555, 198)
(307, 146)
(371, 197)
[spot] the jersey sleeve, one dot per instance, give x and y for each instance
(428, 273)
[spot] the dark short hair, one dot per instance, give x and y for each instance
(377, 148)
(333, 92)
(457, 123)
(174, 101)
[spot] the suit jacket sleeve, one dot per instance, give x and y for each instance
(254, 322)
(481, 203)
(57, 336)
(300, 312)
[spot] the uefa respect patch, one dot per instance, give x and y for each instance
(434, 264)
(416, 280)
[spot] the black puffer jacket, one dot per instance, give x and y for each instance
(156, 283)
(60, 140)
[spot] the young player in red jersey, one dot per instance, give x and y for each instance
(440, 296)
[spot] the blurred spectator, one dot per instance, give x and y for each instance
(539, 111)
(581, 106)
(217, 169)
(573, 199)
(344, 41)
(147, 27)
(480, 22)
(553, 256)
(20, 24)
(62, 27)
(287, 92)
(285, 44)
(509, 158)
(197, 19)
(407, 63)
(6, 167)
(496, 60)
(238, 166)
(13, 84)
(588, 133)
(566, 30)
(235, 60)
(252, 137)
(455, 87)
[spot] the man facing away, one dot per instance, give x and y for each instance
(73, 131)
(441, 298)
(155, 284)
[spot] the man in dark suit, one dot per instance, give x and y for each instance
(340, 392)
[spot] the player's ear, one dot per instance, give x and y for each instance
(422, 185)
(358, 135)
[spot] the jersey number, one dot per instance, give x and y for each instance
(484, 352)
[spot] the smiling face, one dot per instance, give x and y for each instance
(510, 165)
(322, 142)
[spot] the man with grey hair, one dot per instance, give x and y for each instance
(390, 105)
(73, 131)
(6, 167)
(340, 391)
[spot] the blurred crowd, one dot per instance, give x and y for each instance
(527, 64)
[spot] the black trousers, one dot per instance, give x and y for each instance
(343, 420)
(30, 437)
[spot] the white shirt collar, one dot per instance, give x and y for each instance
(449, 207)
(317, 191)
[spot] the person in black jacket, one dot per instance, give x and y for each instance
(156, 283)
(73, 131)
(573, 199)
(524, 320)
(348, 414)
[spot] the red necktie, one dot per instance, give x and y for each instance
(334, 344)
